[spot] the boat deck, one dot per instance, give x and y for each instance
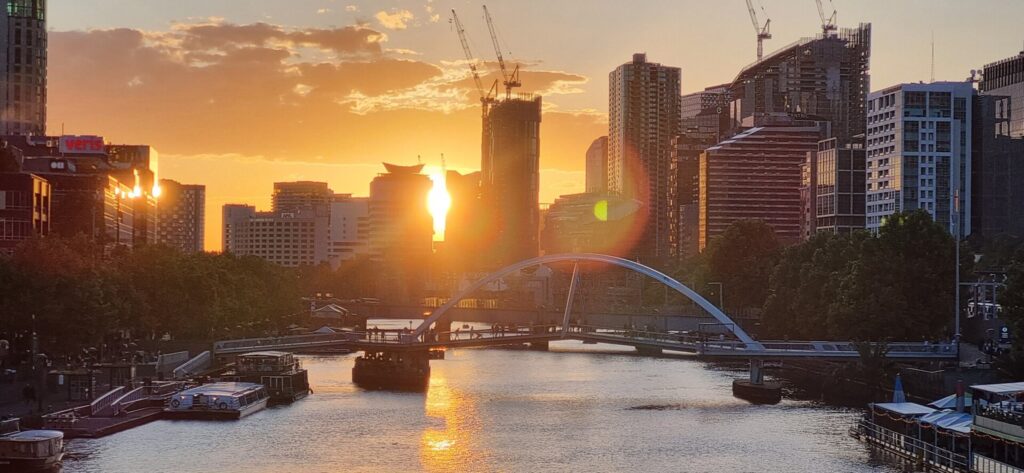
(93, 427)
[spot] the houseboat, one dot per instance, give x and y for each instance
(223, 400)
(281, 373)
(31, 450)
(997, 437)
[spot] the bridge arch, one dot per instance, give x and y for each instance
(596, 258)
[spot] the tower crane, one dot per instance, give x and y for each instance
(827, 24)
(510, 80)
(763, 32)
(486, 98)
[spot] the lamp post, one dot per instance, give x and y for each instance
(956, 235)
(721, 295)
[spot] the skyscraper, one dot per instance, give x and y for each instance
(510, 178)
(349, 227)
(822, 78)
(597, 166)
(833, 191)
(997, 169)
(643, 117)
(919, 152)
(1006, 78)
(23, 63)
(181, 216)
(296, 238)
(756, 175)
(291, 196)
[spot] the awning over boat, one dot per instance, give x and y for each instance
(949, 402)
(911, 409)
(1001, 389)
(949, 420)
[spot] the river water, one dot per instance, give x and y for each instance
(575, 408)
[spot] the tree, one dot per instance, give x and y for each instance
(743, 258)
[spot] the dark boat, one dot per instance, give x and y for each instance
(280, 372)
(31, 450)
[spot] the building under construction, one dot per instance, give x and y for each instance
(821, 78)
(510, 177)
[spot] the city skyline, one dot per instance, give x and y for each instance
(338, 95)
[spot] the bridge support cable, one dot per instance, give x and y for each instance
(570, 298)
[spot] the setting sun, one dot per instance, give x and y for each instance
(438, 202)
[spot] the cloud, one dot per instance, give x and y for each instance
(323, 11)
(351, 8)
(396, 20)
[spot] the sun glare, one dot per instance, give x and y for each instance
(438, 202)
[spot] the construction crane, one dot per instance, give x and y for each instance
(763, 32)
(827, 24)
(486, 98)
(510, 80)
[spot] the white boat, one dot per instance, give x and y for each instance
(226, 400)
(31, 450)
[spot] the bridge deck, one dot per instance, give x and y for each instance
(400, 340)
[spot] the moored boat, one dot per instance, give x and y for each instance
(223, 400)
(280, 372)
(31, 450)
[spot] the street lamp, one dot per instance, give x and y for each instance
(721, 295)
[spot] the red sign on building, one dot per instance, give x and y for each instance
(82, 144)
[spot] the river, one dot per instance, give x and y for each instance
(575, 408)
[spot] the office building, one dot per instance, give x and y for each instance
(643, 117)
(684, 172)
(756, 175)
(469, 227)
(23, 63)
(400, 225)
(832, 194)
(997, 169)
(597, 166)
(510, 178)
(24, 209)
(105, 191)
(291, 196)
(181, 216)
(823, 78)
(919, 152)
(590, 223)
(1006, 78)
(349, 228)
(291, 239)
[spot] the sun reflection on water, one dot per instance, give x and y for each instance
(448, 446)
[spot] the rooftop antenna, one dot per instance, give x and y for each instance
(419, 159)
(933, 55)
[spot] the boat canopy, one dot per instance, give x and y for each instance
(949, 402)
(33, 435)
(911, 409)
(222, 389)
(950, 420)
(1002, 389)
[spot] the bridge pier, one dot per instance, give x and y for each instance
(539, 346)
(755, 389)
(393, 370)
(649, 351)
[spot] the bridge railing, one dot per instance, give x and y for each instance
(270, 342)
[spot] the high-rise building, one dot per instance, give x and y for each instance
(919, 152)
(181, 216)
(597, 166)
(714, 98)
(1006, 78)
(468, 230)
(589, 223)
(684, 172)
(823, 78)
(105, 191)
(510, 178)
(23, 63)
(291, 196)
(400, 225)
(756, 175)
(291, 239)
(24, 209)
(997, 169)
(832, 195)
(349, 227)
(643, 117)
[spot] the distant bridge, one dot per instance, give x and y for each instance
(431, 335)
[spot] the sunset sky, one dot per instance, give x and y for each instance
(237, 94)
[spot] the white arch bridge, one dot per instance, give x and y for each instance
(431, 334)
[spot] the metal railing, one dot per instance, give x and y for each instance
(983, 464)
(115, 408)
(105, 400)
(939, 459)
(197, 364)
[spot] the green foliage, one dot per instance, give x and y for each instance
(743, 259)
(79, 294)
(898, 284)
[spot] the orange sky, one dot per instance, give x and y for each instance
(239, 94)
